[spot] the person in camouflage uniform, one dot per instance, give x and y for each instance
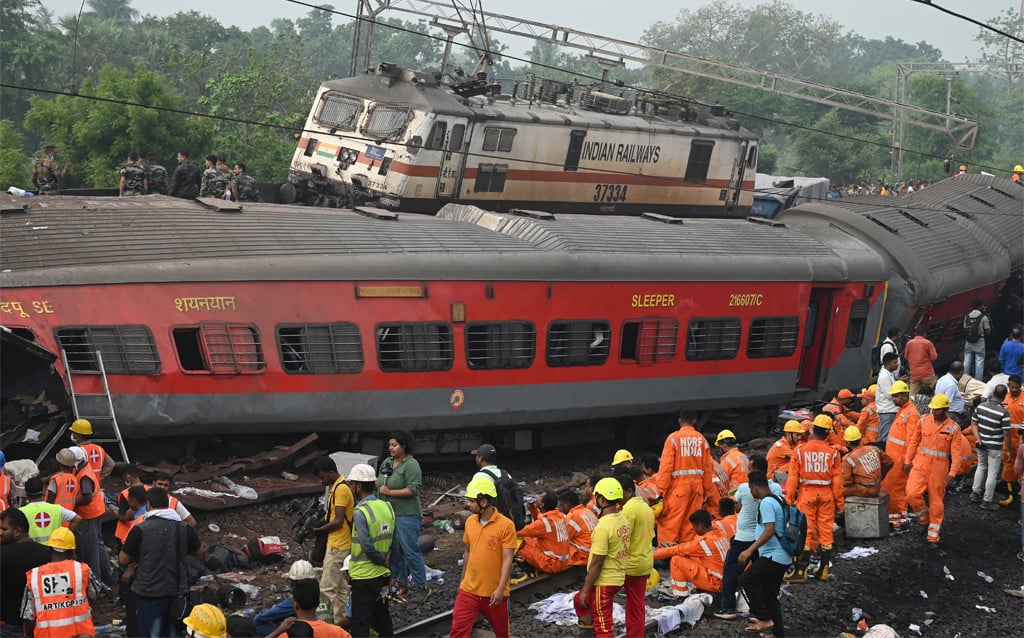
(243, 187)
(133, 177)
(47, 177)
(215, 181)
(185, 181)
(155, 173)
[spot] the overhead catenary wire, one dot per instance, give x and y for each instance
(967, 18)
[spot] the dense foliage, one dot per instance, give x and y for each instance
(259, 84)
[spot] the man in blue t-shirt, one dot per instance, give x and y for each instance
(1012, 351)
(762, 580)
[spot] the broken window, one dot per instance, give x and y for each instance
(699, 163)
(414, 347)
(219, 348)
(713, 338)
(578, 342)
(773, 337)
(127, 349)
(324, 348)
(649, 341)
(500, 345)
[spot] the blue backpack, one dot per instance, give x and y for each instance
(794, 532)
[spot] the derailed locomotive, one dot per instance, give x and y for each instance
(398, 139)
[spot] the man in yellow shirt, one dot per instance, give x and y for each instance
(641, 557)
(338, 528)
(606, 569)
(490, 540)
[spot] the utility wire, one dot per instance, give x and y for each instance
(961, 16)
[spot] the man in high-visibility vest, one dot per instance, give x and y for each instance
(57, 600)
(18, 555)
(373, 526)
(685, 480)
(63, 485)
(45, 518)
(735, 462)
(89, 504)
(933, 462)
(99, 460)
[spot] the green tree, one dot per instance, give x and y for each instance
(14, 166)
(112, 10)
(834, 149)
(29, 55)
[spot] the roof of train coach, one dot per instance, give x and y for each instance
(949, 238)
(79, 240)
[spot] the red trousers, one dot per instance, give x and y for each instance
(636, 607)
(598, 609)
(469, 607)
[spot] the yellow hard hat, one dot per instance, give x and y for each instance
(609, 488)
(1018, 169)
(939, 401)
(621, 457)
(852, 434)
(82, 426)
(823, 421)
(899, 387)
(63, 539)
(793, 426)
(481, 486)
(723, 435)
(870, 391)
(208, 620)
(653, 579)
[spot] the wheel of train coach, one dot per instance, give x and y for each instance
(286, 193)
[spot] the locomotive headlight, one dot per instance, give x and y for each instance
(344, 155)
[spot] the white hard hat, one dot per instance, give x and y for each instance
(344, 565)
(301, 570)
(362, 473)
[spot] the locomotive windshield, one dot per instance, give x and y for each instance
(339, 111)
(386, 121)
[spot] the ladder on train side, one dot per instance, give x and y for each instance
(111, 415)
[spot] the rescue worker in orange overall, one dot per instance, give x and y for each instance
(697, 564)
(58, 593)
(904, 426)
(1014, 404)
(781, 452)
(580, 521)
(815, 486)
(545, 541)
(647, 488)
(685, 475)
(835, 434)
(868, 423)
(933, 461)
(864, 467)
(736, 463)
(99, 460)
(726, 517)
(839, 409)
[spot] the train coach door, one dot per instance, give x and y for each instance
(453, 159)
(817, 336)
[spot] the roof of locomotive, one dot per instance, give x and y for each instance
(80, 240)
(948, 238)
(427, 96)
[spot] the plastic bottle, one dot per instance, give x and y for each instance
(105, 629)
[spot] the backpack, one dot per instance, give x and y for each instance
(510, 498)
(795, 533)
(972, 327)
(265, 549)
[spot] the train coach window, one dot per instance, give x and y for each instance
(582, 342)
(649, 341)
(858, 323)
(126, 349)
(386, 121)
(414, 347)
(435, 141)
(458, 138)
(499, 139)
(713, 338)
(324, 348)
(773, 337)
(752, 157)
(490, 178)
(699, 163)
(339, 112)
(219, 348)
(501, 345)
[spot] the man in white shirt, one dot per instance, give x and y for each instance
(998, 378)
(890, 345)
(886, 408)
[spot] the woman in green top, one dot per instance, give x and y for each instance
(399, 481)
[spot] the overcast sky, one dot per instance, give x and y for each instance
(901, 19)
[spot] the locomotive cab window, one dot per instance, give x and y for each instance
(582, 342)
(125, 349)
(501, 345)
(435, 141)
(773, 337)
(649, 341)
(490, 178)
(414, 347)
(858, 323)
(713, 338)
(385, 121)
(457, 138)
(499, 139)
(752, 157)
(219, 348)
(324, 348)
(339, 112)
(575, 150)
(699, 163)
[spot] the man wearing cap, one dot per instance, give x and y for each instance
(868, 424)
(606, 569)
(815, 486)
(45, 518)
(99, 460)
(864, 467)
(781, 452)
(18, 555)
(490, 539)
(839, 409)
(486, 462)
(735, 462)
(933, 461)
(887, 409)
(904, 426)
(686, 480)
(373, 526)
(56, 600)
(267, 620)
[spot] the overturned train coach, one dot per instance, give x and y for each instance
(213, 319)
(397, 139)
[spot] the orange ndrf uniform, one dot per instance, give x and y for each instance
(1015, 406)
(685, 479)
(778, 457)
(737, 466)
(904, 427)
(720, 481)
(868, 423)
(863, 470)
(647, 489)
(546, 542)
(60, 599)
(934, 455)
(699, 561)
(580, 522)
(815, 485)
(727, 525)
(841, 415)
